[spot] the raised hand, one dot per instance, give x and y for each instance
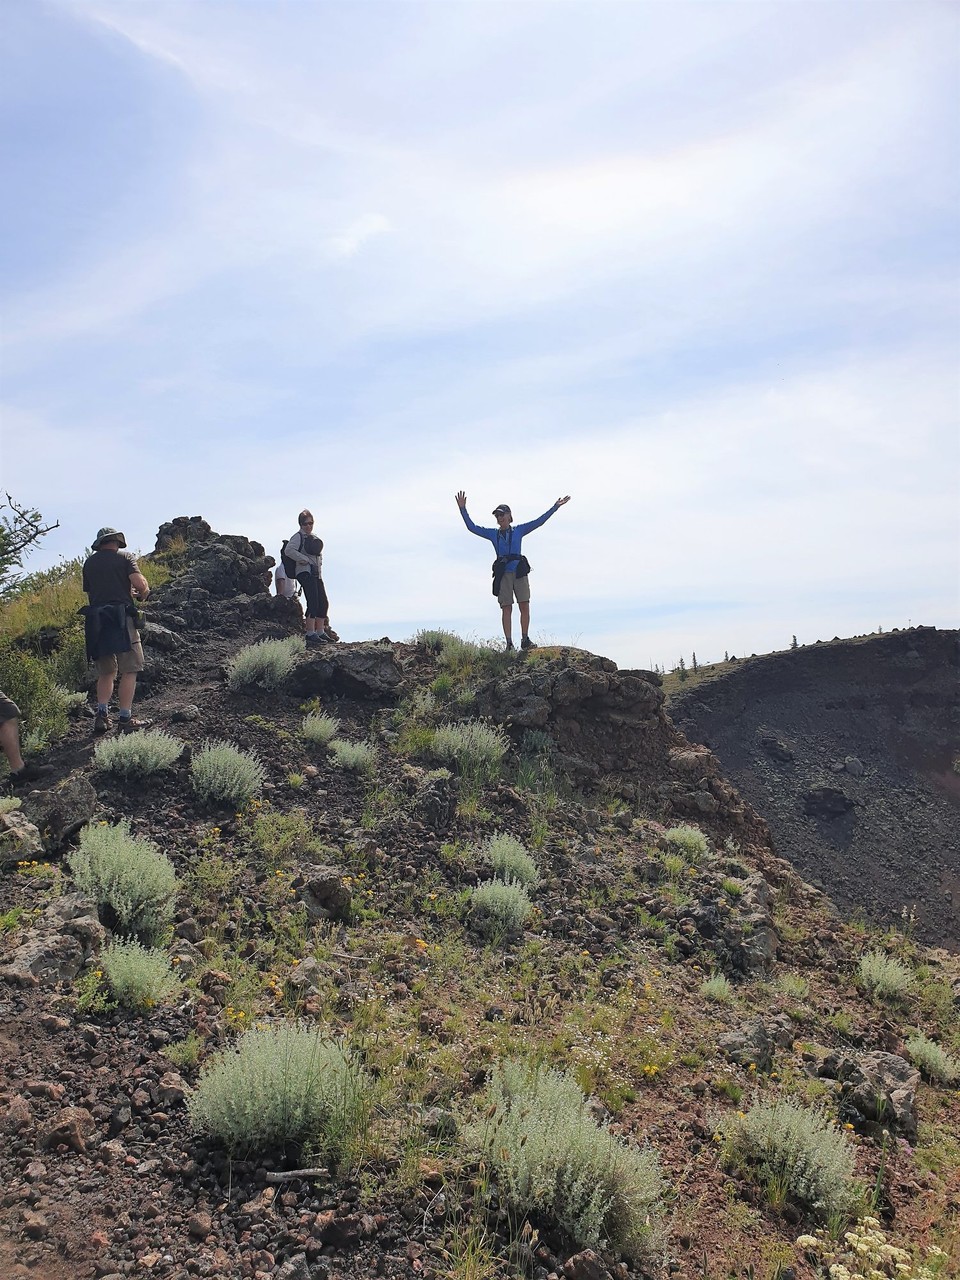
(461, 499)
(561, 501)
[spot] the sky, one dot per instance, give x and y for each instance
(694, 264)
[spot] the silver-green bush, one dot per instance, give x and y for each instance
(550, 1157)
(134, 755)
(690, 841)
(434, 639)
(792, 1151)
(319, 730)
(885, 978)
(138, 977)
(283, 1086)
(931, 1059)
(510, 860)
(264, 663)
(128, 875)
(475, 747)
(498, 909)
(223, 774)
(359, 757)
(717, 989)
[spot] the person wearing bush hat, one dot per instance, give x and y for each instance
(112, 581)
(511, 568)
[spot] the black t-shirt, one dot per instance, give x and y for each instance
(106, 577)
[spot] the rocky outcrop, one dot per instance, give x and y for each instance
(214, 568)
(58, 946)
(59, 812)
(356, 671)
(878, 1091)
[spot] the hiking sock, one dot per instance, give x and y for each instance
(103, 709)
(126, 715)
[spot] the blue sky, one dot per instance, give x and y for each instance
(695, 264)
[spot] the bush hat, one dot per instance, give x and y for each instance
(502, 510)
(108, 535)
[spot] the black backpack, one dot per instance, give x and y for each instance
(290, 566)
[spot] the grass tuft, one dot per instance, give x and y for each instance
(358, 757)
(319, 730)
(933, 1061)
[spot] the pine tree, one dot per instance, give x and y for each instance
(793, 643)
(694, 664)
(726, 656)
(682, 669)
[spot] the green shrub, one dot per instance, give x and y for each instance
(28, 680)
(133, 755)
(932, 1060)
(690, 841)
(280, 838)
(475, 747)
(223, 774)
(885, 978)
(9, 803)
(510, 860)
(128, 876)
(319, 730)
(359, 757)
(498, 909)
(550, 1157)
(793, 1152)
(138, 977)
(283, 1086)
(717, 989)
(435, 639)
(264, 664)
(68, 663)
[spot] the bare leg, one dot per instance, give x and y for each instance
(127, 688)
(104, 690)
(507, 616)
(10, 743)
(525, 618)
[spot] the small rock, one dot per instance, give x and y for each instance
(585, 1266)
(71, 1127)
(35, 1225)
(199, 1225)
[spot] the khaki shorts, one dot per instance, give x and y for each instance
(8, 708)
(124, 664)
(513, 587)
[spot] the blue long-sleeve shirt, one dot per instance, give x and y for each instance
(509, 543)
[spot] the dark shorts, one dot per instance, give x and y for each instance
(8, 708)
(315, 595)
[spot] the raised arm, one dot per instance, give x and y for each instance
(535, 524)
(474, 528)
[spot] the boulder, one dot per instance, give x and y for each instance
(71, 1127)
(826, 802)
(60, 812)
(58, 946)
(326, 894)
(752, 1043)
(879, 1091)
(19, 839)
(356, 670)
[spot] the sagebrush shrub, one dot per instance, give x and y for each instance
(549, 1156)
(931, 1059)
(475, 747)
(223, 774)
(264, 663)
(498, 909)
(510, 860)
(283, 1086)
(319, 730)
(718, 989)
(128, 875)
(690, 841)
(434, 639)
(138, 977)
(359, 757)
(885, 978)
(792, 1151)
(134, 755)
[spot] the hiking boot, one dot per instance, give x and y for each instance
(129, 725)
(527, 643)
(330, 636)
(323, 638)
(101, 722)
(312, 638)
(30, 773)
(508, 646)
